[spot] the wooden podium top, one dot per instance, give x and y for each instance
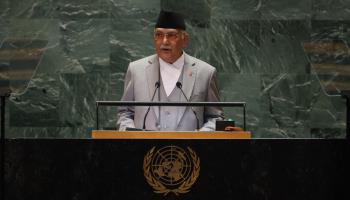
(104, 134)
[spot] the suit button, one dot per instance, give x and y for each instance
(167, 112)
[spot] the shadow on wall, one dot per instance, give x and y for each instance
(198, 14)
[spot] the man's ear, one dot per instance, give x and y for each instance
(185, 38)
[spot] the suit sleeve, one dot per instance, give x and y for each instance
(211, 114)
(126, 113)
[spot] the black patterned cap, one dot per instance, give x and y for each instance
(170, 20)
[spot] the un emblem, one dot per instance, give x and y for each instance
(171, 169)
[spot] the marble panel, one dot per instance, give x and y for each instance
(242, 88)
(331, 9)
(281, 46)
(236, 9)
(286, 9)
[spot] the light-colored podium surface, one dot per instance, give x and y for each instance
(107, 134)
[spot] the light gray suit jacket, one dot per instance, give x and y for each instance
(199, 85)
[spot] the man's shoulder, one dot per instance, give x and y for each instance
(143, 61)
(202, 64)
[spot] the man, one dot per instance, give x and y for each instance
(159, 78)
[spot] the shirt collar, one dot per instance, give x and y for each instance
(178, 64)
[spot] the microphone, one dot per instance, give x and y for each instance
(156, 85)
(179, 85)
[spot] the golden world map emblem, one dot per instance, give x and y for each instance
(171, 169)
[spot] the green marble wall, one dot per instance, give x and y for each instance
(83, 49)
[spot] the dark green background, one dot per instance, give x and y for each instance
(256, 46)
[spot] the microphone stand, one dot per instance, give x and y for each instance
(157, 84)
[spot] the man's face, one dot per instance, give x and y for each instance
(169, 43)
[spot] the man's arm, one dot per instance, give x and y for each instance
(126, 113)
(211, 114)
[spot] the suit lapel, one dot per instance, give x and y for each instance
(188, 79)
(152, 74)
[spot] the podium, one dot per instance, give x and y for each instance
(229, 168)
(107, 134)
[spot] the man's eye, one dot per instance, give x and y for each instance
(172, 34)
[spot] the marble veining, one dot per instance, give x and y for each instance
(258, 48)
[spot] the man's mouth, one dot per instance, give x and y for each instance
(165, 49)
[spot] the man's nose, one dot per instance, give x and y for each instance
(165, 39)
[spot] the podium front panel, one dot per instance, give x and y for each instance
(228, 169)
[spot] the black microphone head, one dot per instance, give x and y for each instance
(179, 85)
(157, 84)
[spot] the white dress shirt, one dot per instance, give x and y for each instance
(170, 73)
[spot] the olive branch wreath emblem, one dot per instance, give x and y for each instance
(159, 187)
